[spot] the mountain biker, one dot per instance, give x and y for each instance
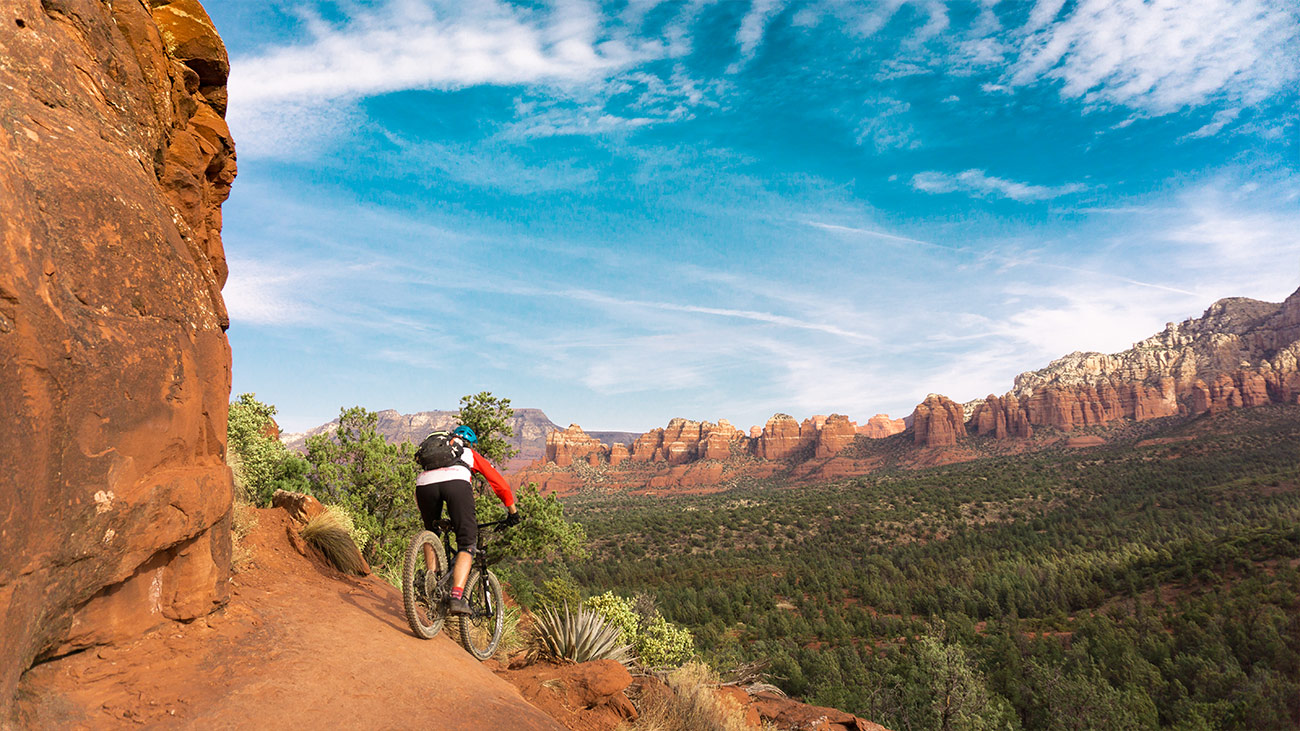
(452, 486)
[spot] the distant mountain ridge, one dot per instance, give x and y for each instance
(1239, 353)
(1233, 333)
(530, 426)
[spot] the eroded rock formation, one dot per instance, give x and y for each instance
(114, 365)
(690, 455)
(881, 426)
(563, 447)
(937, 422)
(1240, 353)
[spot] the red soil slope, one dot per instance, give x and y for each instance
(298, 643)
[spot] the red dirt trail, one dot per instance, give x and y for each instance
(298, 644)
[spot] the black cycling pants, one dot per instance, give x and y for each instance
(459, 497)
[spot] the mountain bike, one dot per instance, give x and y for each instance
(426, 591)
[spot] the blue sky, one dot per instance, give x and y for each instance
(624, 212)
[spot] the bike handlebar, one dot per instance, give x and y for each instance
(446, 525)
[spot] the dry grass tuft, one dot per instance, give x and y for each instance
(513, 638)
(693, 706)
(331, 534)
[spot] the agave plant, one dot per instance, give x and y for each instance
(578, 636)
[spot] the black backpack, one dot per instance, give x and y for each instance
(439, 449)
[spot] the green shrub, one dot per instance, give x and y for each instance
(557, 592)
(261, 464)
(656, 642)
(663, 644)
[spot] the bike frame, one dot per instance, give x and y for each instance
(480, 562)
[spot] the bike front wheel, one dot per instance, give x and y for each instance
(480, 631)
(422, 592)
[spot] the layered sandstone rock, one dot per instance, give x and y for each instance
(782, 438)
(938, 422)
(647, 447)
(563, 447)
(836, 433)
(1001, 418)
(881, 426)
(722, 440)
(1240, 353)
(690, 455)
(114, 365)
(1234, 334)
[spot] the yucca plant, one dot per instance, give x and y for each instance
(577, 636)
(330, 533)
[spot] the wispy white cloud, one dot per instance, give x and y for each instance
(978, 183)
(289, 101)
(489, 165)
(885, 125)
(1025, 260)
(259, 294)
(408, 44)
(1221, 118)
(751, 30)
(1240, 239)
(566, 119)
(1160, 56)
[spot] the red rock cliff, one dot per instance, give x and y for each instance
(1238, 354)
(114, 365)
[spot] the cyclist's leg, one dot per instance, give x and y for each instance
(429, 499)
(460, 505)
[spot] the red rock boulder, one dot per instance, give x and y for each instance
(782, 438)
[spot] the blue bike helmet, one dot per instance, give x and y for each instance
(466, 433)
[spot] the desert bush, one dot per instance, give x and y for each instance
(693, 706)
(356, 467)
(557, 592)
(330, 533)
(577, 636)
(261, 464)
(656, 641)
(512, 637)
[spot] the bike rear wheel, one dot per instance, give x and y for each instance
(422, 594)
(480, 632)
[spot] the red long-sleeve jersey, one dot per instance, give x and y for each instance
(494, 478)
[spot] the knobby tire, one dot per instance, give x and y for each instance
(481, 635)
(425, 606)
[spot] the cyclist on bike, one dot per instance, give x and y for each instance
(451, 485)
